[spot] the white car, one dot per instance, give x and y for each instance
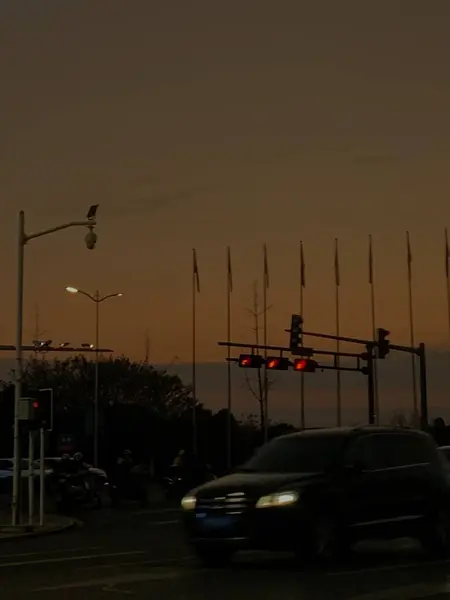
(7, 468)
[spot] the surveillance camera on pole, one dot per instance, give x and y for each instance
(91, 239)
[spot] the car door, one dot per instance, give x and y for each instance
(410, 461)
(369, 498)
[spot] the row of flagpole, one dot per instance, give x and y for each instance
(302, 278)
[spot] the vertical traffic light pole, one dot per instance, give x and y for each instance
(423, 387)
(47, 402)
(370, 384)
(41, 476)
(30, 477)
(420, 352)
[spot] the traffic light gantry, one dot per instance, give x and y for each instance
(302, 356)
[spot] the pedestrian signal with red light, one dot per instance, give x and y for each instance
(278, 363)
(43, 408)
(250, 361)
(305, 364)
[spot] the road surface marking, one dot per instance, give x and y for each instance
(414, 565)
(154, 511)
(172, 522)
(156, 563)
(67, 559)
(110, 582)
(59, 551)
(408, 592)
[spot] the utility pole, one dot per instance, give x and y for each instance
(146, 347)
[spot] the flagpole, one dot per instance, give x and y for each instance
(195, 289)
(302, 375)
(411, 325)
(229, 390)
(447, 278)
(338, 343)
(374, 329)
(266, 383)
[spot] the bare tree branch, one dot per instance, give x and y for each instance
(257, 393)
(250, 386)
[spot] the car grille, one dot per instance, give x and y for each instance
(231, 504)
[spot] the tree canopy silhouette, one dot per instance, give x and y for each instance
(140, 407)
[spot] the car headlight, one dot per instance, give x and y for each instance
(278, 499)
(188, 503)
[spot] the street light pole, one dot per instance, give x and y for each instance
(96, 384)
(22, 240)
(98, 300)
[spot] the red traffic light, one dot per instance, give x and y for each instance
(35, 404)
(278, 363)
(250, 361)
(304, 364)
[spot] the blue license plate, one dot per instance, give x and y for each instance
(215, 522)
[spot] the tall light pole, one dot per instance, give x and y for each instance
(97, 299)
(22, 239)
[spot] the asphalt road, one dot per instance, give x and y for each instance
(142, 554)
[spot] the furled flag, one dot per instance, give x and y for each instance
(195, 267)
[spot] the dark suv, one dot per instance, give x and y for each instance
(318, 492)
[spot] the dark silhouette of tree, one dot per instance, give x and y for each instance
(140, 408)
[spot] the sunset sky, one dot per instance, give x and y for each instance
(206, 124)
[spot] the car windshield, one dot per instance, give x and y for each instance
(296, 454)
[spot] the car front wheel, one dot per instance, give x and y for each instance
(327, 542)
(436, 536)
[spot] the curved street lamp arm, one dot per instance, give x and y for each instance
(103, 298)
(90, 296)
(86, 223)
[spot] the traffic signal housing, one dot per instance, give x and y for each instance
(250, 361)
(382, 343)
(42, 409)
(306, 365)
(295, 332)
(278, 363)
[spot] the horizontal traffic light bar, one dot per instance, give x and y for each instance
(302, 351)
(276, 363)
(4, 348)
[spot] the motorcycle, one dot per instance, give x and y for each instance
(75, 490)
(68, 492)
